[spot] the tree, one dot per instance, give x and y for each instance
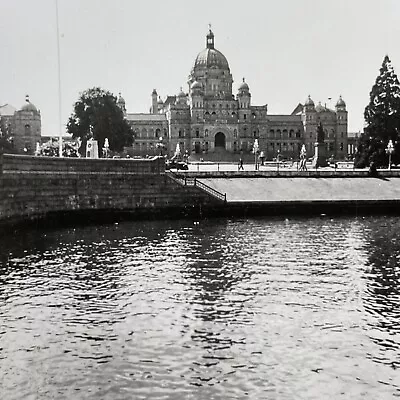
(96, 115)
(382, 118)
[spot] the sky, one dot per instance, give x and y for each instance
(286, 50)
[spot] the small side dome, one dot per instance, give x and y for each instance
(340, 103)
(181, 98)
(120, 100)
(309, 102)
(196, 85)
(159, 100)
(244, 86)
(181, 94)
(28, 106)
(320, 107)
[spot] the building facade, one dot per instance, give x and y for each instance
(211, 119)
(22, 127)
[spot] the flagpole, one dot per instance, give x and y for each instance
(59, 86)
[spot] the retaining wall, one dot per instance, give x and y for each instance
(36, 187)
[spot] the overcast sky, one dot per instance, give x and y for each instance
(286, 50)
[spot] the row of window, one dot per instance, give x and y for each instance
(150, 133)
(245, 146)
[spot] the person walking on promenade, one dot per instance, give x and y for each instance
(241, 165)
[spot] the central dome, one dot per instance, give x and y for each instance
(210, 58)
(211, 72)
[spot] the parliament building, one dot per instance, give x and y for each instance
(211, 119)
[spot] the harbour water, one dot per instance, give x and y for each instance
(268, 308)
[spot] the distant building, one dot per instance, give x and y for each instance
(22, 126)
(210, 119)
(352, 139)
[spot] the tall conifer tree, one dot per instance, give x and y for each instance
(382, 118)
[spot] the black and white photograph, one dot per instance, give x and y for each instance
(199, 200)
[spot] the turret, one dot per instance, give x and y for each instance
(309, 119)
(244, 96)
(154, 106)
(340, 105)
(121, 103)
(196, 95)
(181, 98)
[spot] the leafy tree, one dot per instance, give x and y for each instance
(96, 115)
(382, 117)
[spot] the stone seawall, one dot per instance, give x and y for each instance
(32, 188)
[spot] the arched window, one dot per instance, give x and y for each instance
(278, 133)
(206, 133)
(235, 133)
(158, 132)
(291, 133)
(271, 133)
(27, 130)
(144, 132)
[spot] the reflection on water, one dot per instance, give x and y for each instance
(218, 309)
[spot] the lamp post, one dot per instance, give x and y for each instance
(277, 161)
(160, 145)
(255, 151)
(390, 150)
(60, 138)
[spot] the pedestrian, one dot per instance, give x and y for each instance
(241, 165)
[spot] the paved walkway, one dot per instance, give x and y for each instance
(270, 166)
(308, 189)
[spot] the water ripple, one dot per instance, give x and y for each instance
(261, 308)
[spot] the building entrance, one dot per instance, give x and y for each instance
(219, 140)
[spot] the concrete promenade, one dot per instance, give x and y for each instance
(306, 189)
(271, 184)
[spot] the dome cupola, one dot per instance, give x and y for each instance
(244, 87)
(309, 102)
(28, 106)
(211, 70)
(181, 98)
(121, 100)
(196, 85)
(340, 104)
(121, 103)
(196, 89)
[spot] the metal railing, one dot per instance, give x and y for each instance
(196, 183)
